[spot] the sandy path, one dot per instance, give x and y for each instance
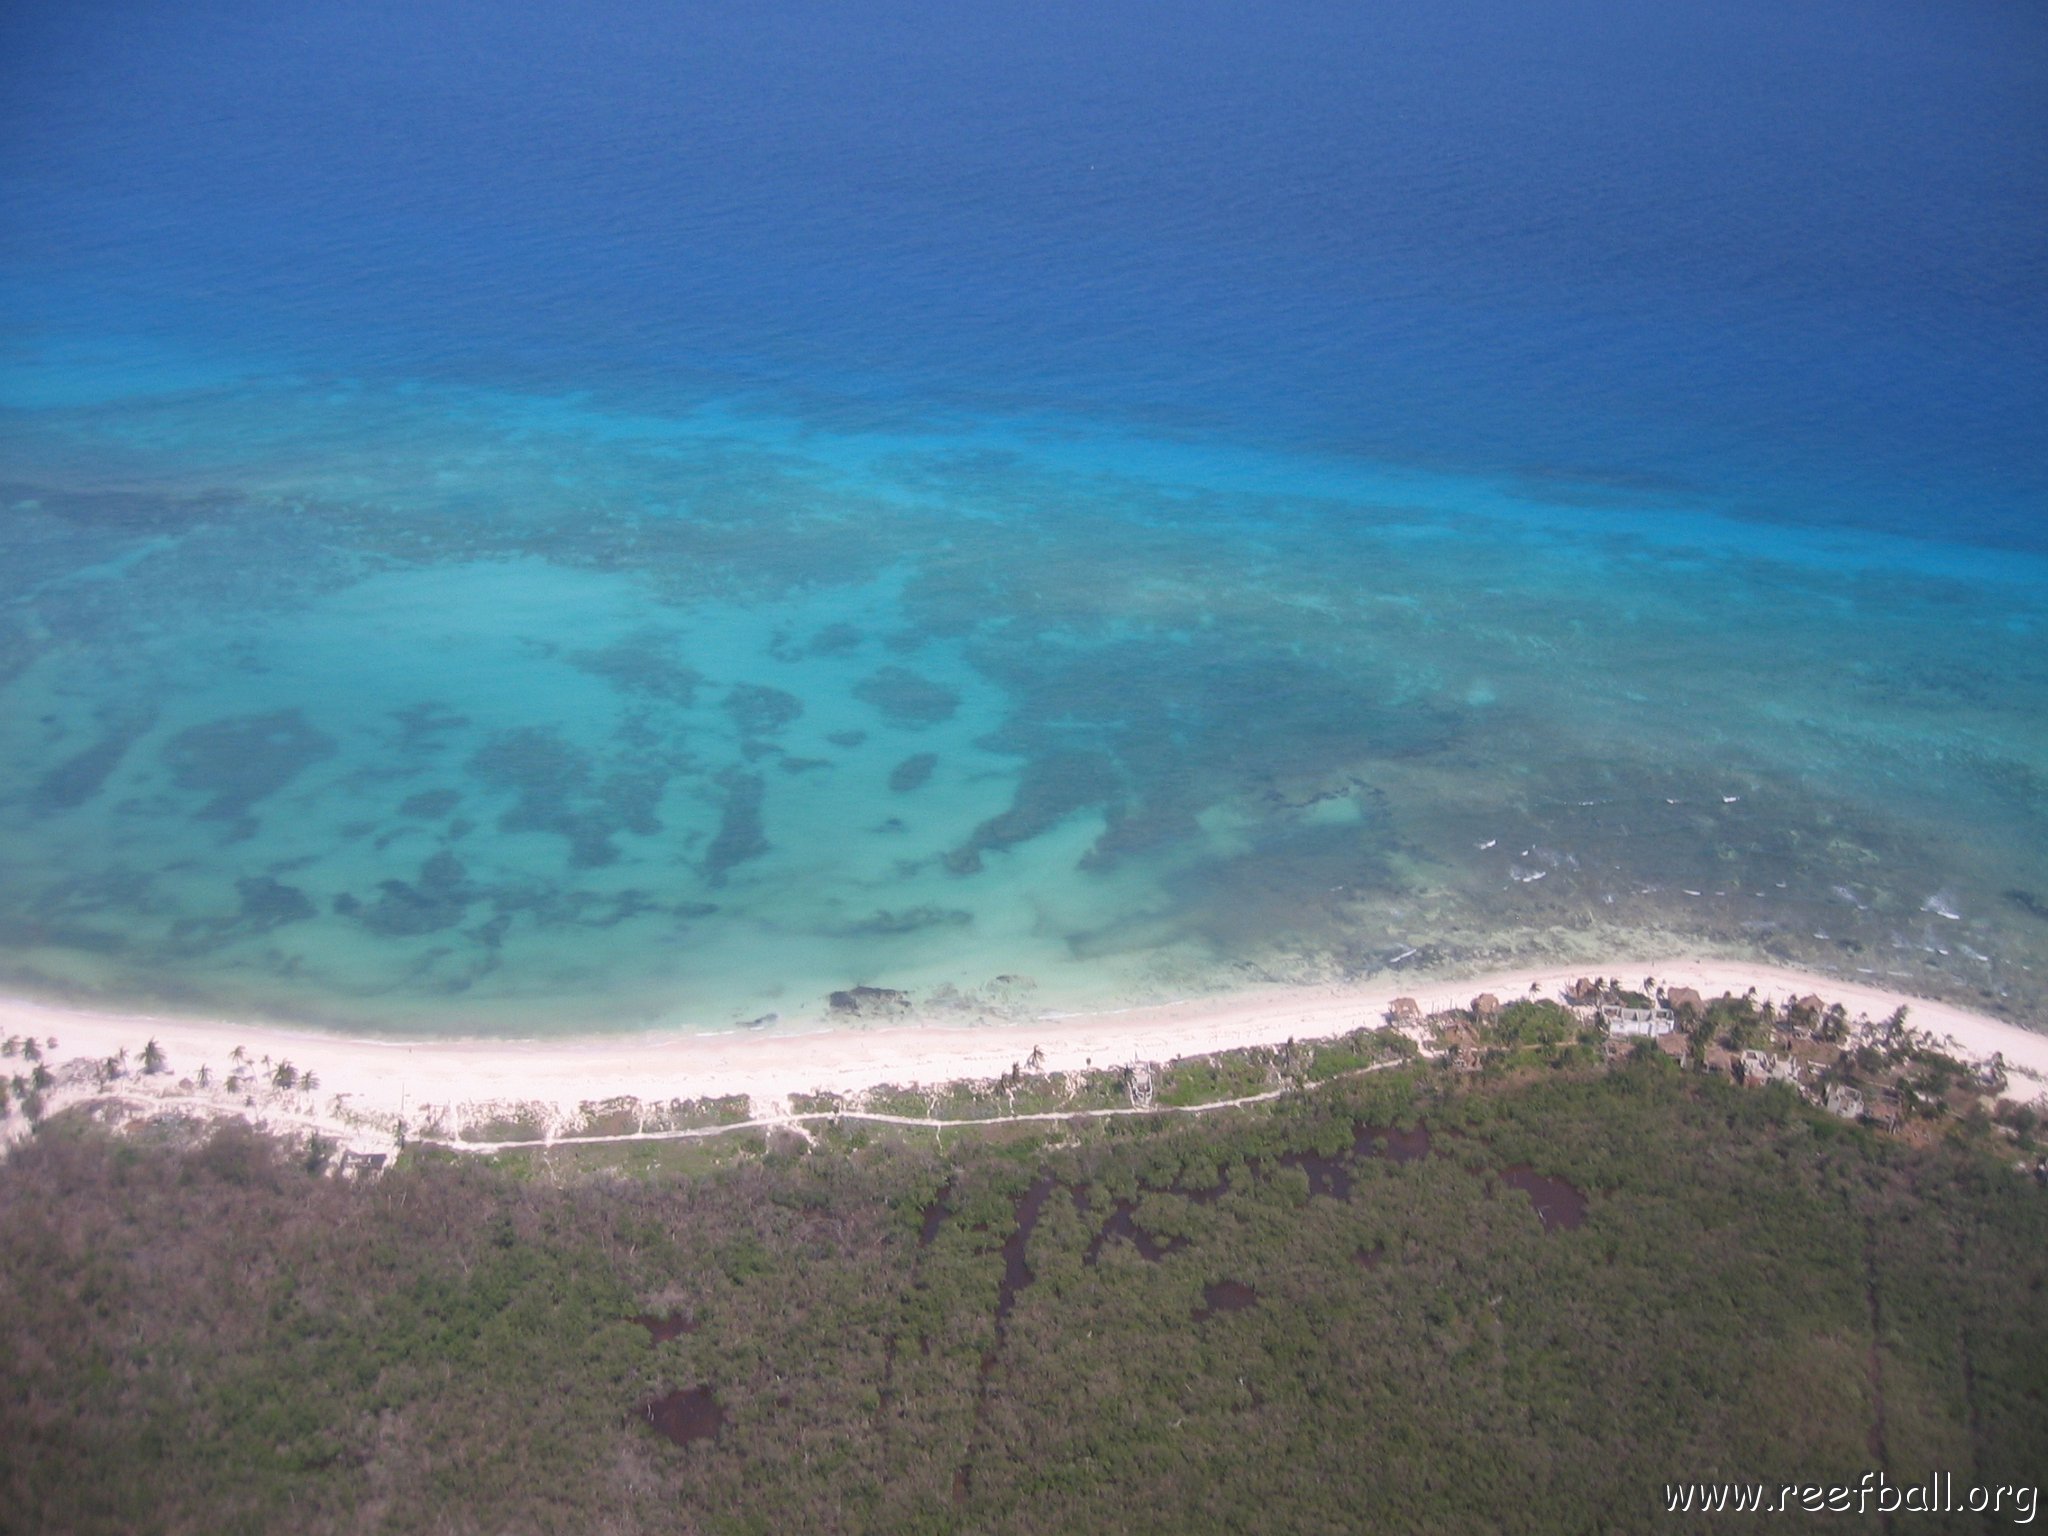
(365, 1085)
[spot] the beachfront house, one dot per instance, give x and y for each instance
(1649, 1022)
(1841, 1099)
(1760, 1067)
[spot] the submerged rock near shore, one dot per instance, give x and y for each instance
(869, 1003)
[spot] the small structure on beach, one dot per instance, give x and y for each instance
(1404, 1010)
(362, 1164)
(1485, 1006)
(1138, 1084)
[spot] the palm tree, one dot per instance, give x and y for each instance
(152, 1059)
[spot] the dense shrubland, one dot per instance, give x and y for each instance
(206, 1338)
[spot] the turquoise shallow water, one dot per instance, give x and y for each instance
(548, 517)
(427, 708)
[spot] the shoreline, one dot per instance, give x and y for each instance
(367, 1087)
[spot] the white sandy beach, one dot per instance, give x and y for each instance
(365, 1086)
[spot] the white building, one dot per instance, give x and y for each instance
(1639, 1021)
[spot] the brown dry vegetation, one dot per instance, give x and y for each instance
(209, 1339)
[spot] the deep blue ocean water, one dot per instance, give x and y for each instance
(547, 516)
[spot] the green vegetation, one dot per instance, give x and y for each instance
(1204, 1079)
(1532, 1023)
(998, 1330)
(1016, 1092)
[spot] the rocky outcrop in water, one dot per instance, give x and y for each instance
(869, 1003)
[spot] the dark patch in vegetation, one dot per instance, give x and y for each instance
(1017, 1274)
(685, 1416)
(242, 760)
(1400, 1146)
(1327, 1175)
(934, 1215)
(1121, 1223)
(1017, 1277)
(906, 699)
(1225, 1296)
(1330, 1174)
(660, 1329)
(913, 772)
(1558, 1203)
